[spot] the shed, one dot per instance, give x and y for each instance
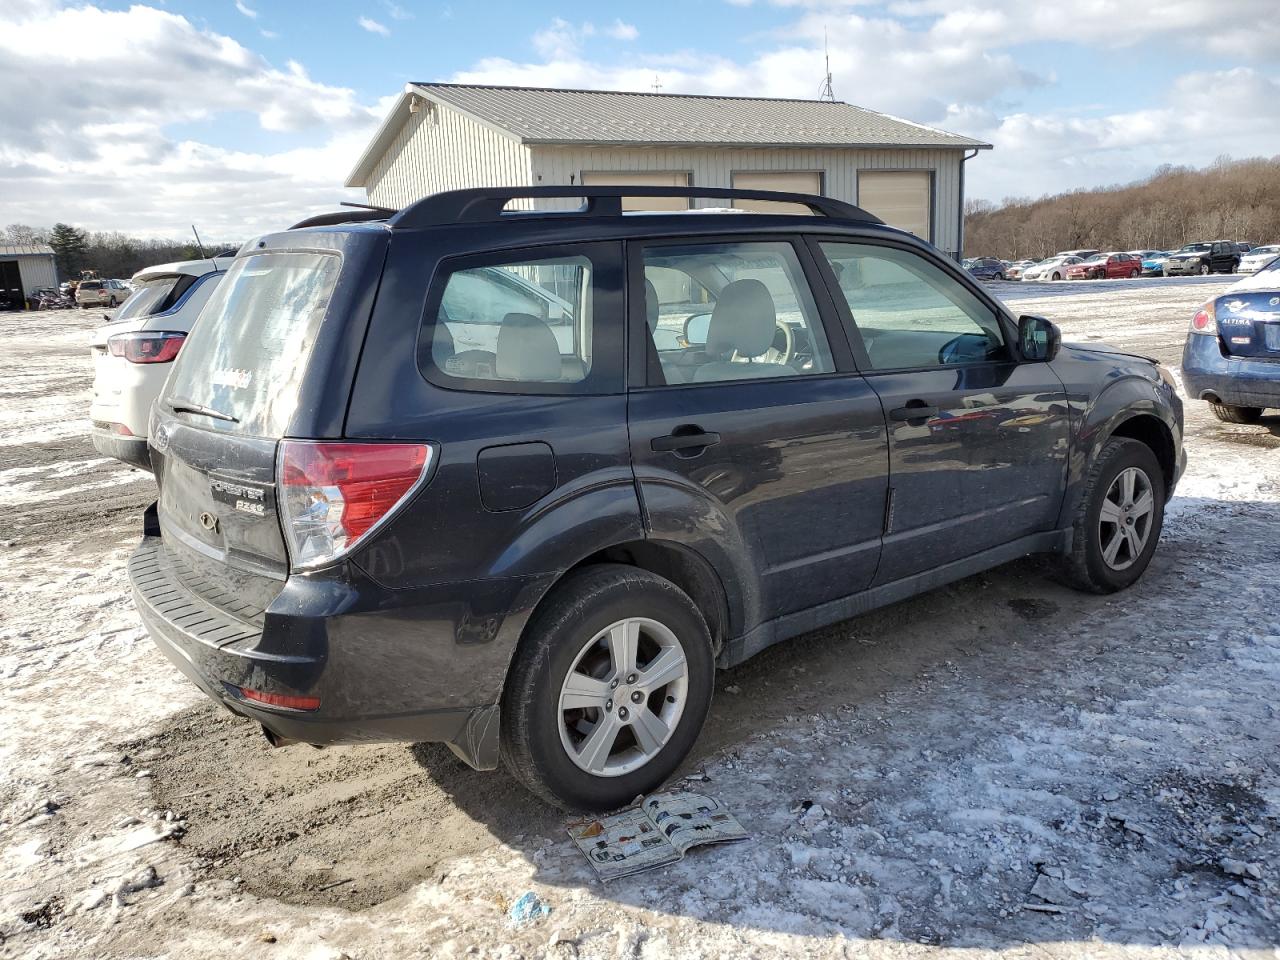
(24, 268)
(442, 136)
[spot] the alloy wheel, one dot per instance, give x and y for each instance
(1124, 523)
(623, 697)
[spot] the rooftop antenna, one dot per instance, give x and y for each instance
(198, 243)
(657, 84)
(826, 93)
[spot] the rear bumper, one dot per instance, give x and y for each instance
(132, 450)
(1236, 381)
(386, 666)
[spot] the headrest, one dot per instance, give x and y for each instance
(442, 348)
(744, 320)
(650, 304)
(526, 350)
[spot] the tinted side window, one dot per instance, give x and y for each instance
(909, 312)
(515, 324)
(731, 311)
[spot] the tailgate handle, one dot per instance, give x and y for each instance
(684, 438)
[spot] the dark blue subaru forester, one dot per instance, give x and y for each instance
(519, 480)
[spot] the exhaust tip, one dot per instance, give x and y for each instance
(275, 739)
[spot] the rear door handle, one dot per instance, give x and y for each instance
(684, 441)
(915, 410)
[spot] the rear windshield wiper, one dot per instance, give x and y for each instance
(183, 405)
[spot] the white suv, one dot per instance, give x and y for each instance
(133, 353)
(101, 293)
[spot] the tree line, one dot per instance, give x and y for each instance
(1228, 200)
(110, 253)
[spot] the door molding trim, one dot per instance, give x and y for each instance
(774, 631)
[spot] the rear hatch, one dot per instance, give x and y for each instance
(1249, 324)
(237, 388)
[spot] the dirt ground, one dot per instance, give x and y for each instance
(1002, 765)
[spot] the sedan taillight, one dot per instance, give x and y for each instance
(1204, 321)
(149, 346)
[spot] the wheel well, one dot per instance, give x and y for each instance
(1152, 431)
(681, 566)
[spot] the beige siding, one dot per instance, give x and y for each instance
(714, 167)
(442, 149)
(36, 272)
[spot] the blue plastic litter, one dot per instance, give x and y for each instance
(527, 909)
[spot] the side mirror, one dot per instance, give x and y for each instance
(1038, 338)
(696, 329)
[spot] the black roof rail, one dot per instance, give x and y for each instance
(344, 216)
(488, 203)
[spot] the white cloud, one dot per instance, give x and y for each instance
(373, 26)
(106, 154)
(396, 12)
(621, 31)
(247, 10)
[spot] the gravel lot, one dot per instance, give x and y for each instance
(1002, 765)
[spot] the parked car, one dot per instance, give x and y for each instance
(1153, 264)
(1082, 254)
(100, 293)
(539, 553)
(1054, 268)
(1105, 266)
(1243, 247)
(134, 353)
(1258, 257)
(1232, 354)
(1220, 256)
(987, 268)
(1017, 268)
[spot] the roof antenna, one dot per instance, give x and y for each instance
(657, 84)
(826, 93)
(198, 243)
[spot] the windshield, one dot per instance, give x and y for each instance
(155, 296)
(1100, 258)
(1264, 251)
(246, 357)
(1194, 248)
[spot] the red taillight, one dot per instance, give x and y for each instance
(121, 429)
(1204, 320)
(333, 494)
(146, 346)
(280, 699)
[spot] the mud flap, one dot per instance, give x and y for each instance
(477, 742)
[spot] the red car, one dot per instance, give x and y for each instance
(1108, 266)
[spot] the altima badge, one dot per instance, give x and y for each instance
(209, 522)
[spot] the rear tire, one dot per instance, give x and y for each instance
(1228, 413)
(570, 653)
(1118, 520)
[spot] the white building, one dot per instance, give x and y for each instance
(24, 268)
(443, 136)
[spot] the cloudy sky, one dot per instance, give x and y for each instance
(243, 115)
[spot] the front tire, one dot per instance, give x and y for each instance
(1056, 276)
(608, 690)
(1118, 520)
(1228, 413)
(1204, 270)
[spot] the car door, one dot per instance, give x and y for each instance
(748, 422)
(978, 441)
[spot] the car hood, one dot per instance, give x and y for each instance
(1084, 351)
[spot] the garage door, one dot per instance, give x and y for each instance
(901, 199)
(787, 181)
(650, 178)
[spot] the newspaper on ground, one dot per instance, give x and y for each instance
(657, 832)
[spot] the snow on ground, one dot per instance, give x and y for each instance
(1002, 766)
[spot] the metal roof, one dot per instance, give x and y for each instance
(541, 115)
(25, 250)
(538, 115)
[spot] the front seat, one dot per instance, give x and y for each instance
(527, 350)
(744, 322)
